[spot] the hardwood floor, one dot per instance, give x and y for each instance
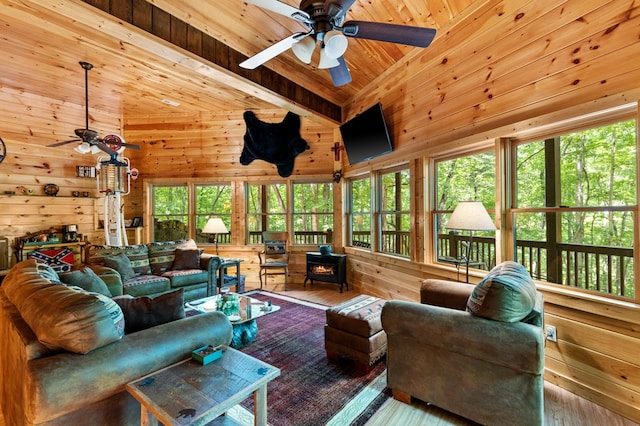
(562, 408)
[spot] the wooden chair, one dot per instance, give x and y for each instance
(274, 258)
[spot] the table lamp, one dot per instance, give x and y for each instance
(215, 226)
(470, 216)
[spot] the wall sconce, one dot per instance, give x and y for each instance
(337, 175)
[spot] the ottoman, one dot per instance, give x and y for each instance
(354, 331)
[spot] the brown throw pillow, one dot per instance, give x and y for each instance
(145, 312)
(186, 259)
(122, 264)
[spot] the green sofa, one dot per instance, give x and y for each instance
(155, 268)
(65, 360)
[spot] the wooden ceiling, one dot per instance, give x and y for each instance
(43, 40)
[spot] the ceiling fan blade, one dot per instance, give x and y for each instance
(340, 74)
(127, 145)
(337, 9)
(393, 33)
(105, 148)
(272, 51)
(283, 9)
(53, 145)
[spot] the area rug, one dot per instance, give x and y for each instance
(310, 390)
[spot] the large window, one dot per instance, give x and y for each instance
(313, 213)
(574, 201)
(472, 177)
(170, 212)
(359, 212)
(266, 210)
(213, 201)
(395, 198)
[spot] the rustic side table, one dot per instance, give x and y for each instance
(189, 393)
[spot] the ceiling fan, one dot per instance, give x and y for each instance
(324, 20)
(89, 139)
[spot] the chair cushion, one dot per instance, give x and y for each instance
(144, 312)
(359, 316)
(86, 279)
(146, 284)
(507, 293)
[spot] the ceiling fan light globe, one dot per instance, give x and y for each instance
(335, 44)
(326, 61)
(83, 148)
(95, 149)
(304, 49)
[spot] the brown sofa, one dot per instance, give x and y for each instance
(64, 360)
(155, 268)
(455, 354)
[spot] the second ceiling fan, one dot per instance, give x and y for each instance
(324, 20)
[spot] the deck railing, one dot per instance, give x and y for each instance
(598, 268)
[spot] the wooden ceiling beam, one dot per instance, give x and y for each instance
(168, 37)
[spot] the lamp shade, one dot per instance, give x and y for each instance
(215, 226)
(326, 61)
(470, 216)
(304, 49)
(335, 44)
(83, 148)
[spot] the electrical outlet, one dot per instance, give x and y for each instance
(550, 331)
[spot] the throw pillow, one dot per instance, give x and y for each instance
(47, 272)
(122, 264)
(145, 312)
(507, 293)
(87, 280)
(186, 259)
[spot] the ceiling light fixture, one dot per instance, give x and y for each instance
(304, 49)
(170, 102)
(335, 44)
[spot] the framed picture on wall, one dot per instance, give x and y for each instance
(136, 221)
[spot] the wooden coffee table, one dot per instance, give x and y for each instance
(188, 393)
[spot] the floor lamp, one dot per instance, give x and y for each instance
(470, 216)
(215, 226)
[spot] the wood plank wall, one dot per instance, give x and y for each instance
(29, 123)
(206, 147)
(497, 74)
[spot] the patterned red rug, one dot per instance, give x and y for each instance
(311, 390)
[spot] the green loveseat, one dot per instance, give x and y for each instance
(155, 268)
(64, 360)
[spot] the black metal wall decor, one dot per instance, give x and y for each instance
(3, 150)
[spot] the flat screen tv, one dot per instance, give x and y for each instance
(366, 136)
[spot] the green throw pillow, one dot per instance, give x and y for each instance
(87, 280)
(507, 293)
(122, 264)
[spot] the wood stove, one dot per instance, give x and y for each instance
(330, 268)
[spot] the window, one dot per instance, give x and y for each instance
(312, 213)
(574, 199)
(213, 201)
(170, 213)
(266, 210)
(472, 177)
(359, 213)
(395, 212)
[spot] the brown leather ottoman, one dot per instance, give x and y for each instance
(354, 331)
